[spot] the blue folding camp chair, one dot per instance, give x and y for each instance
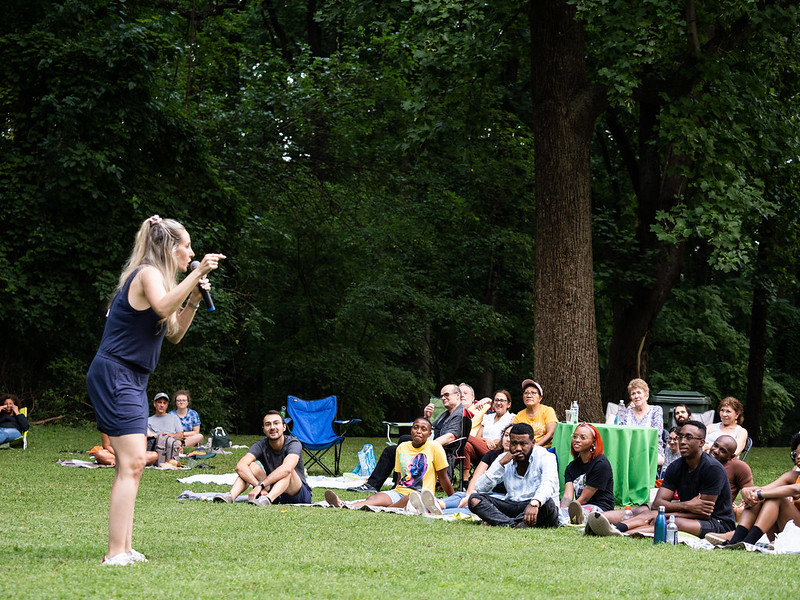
(312, 424)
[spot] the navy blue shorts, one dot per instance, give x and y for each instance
(301, 497)
(119, 396)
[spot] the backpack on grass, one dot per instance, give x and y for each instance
(220, 439)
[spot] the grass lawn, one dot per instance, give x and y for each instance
(53, 526)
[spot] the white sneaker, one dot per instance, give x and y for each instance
(601, 525)
(226, 497)
(120, 560)
(137, 556)
(430, 503)
(415, 505)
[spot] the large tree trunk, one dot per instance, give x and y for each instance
(759, 338)
(565, 108)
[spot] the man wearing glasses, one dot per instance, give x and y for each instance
(445, 429)
(704, 494)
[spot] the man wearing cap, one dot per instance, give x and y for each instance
(542, 418)
(164, 422)
(273, 466)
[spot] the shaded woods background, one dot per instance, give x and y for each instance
(368, 168)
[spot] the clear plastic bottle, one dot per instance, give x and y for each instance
(628, 513)
(672, 531)
(574, 409)
(660, 534)
(618, 419)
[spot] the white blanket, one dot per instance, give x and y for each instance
(315, 481)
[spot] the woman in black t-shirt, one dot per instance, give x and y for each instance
(589, 480)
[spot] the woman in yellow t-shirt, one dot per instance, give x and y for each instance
(542, 418)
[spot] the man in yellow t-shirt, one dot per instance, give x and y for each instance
(419, 462)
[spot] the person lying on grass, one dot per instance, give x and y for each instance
(419, 462)
(704, 494)
(767, 509)
(273, 466)
(530, 475)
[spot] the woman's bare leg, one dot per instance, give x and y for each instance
(130, 455)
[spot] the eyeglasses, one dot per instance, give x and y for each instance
(689, 437)
(582, 438)
(448, 394)
(531, 393)
(500, 399)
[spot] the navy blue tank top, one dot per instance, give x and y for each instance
(133, 336)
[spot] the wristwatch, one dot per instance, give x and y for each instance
(759, 494)
(535, 503)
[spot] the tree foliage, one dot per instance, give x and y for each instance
(389, 181)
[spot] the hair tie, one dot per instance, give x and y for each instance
(155, 220)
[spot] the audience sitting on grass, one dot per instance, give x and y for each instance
(190, 420)
(530, 475)
(105, 454)
(12, 423)
(731, 415)
(446, 428)
(457, 503)
(640, 414)
(588, 479)
(739, 474)
(418, 463)
(540, 417)
(767, 509)
(273, 467)
(163, 423)
(701, 483)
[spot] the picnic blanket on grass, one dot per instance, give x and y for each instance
(314, 481)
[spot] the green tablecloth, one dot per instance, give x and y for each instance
(632, 452)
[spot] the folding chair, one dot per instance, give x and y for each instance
(21, 442)
(456, 455)
(747, 445)
(312, 424)
(394, 426)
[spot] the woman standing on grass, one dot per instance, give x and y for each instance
(146, 307)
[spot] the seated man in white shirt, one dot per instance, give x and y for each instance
(530, 475)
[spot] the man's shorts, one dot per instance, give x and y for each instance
(713, 526)
(301, 497)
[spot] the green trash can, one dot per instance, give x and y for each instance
(669, 399)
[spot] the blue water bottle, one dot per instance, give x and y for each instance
(660, 534)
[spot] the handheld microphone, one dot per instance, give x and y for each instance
(205, 293)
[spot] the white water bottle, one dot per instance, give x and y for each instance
(574, 410)
(672, 531)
